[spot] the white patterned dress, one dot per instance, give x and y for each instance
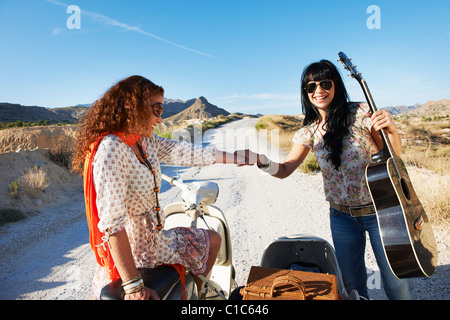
(126, 200)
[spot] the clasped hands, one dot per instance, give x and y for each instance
(246, 157)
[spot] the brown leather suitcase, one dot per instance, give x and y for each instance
(282, 284)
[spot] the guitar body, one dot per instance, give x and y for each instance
(406, 233)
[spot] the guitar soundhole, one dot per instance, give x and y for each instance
(405, 189)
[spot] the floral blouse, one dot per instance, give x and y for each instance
(347, 185)
(126, 200)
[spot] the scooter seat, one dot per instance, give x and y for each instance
(161, 279)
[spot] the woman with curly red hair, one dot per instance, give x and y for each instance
(125, 221)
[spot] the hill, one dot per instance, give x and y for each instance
(174, 106)
(429, 109)
(432, 108)
(10, 112)
(396, 110)
(201, 109)
(179, 110)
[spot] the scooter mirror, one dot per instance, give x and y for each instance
(205, 192)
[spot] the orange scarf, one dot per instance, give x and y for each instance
(102, 252)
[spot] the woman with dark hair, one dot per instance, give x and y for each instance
(343, 135)
(125, 220)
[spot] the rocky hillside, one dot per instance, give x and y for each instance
(44, 137)
(174, 106)
(401, 109)
(10, 112)
(201, 109)
(198, 109)
(429, 109)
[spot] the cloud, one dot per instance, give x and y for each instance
(57, 31)
(110, 22)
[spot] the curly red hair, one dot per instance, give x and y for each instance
(123, 108)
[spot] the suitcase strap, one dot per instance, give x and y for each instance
(289, 280)
(265, 292)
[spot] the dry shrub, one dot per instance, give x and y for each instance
(286, 126)
(426, 144)
(310, 164)
(62, 151)
(432, 158)
(433, 192)
(282, 122)
(11, 215)
(34, 181)
(426, 151)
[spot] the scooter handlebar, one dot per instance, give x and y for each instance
(167, 178)
(173, 181)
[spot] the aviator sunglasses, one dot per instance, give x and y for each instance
(325, 84)
(158, 109)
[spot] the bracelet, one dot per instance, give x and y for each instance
(264, 167)
(268, 167)
(135, 278)
(133, 285)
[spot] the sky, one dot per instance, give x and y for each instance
(244, 56)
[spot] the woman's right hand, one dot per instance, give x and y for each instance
(245, 157)
(143, 294)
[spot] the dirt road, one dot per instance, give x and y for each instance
(48, 256)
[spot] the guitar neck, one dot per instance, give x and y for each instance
(387, 151)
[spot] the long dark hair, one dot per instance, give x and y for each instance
(337, 119)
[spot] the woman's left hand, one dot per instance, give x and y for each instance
(381, 119)
(143, 294)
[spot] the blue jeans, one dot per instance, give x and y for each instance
(349, 239)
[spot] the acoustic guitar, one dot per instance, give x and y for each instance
(406, 233)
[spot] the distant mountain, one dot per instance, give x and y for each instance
(201, 109)
(174, 106)
(10, 112)
(179, 110)
(190, 109)
(401, 109)
(432, 108)
(429, 109)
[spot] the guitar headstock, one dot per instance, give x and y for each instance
(349, 66)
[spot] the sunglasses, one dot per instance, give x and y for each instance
(158, 109)
(325, 84)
